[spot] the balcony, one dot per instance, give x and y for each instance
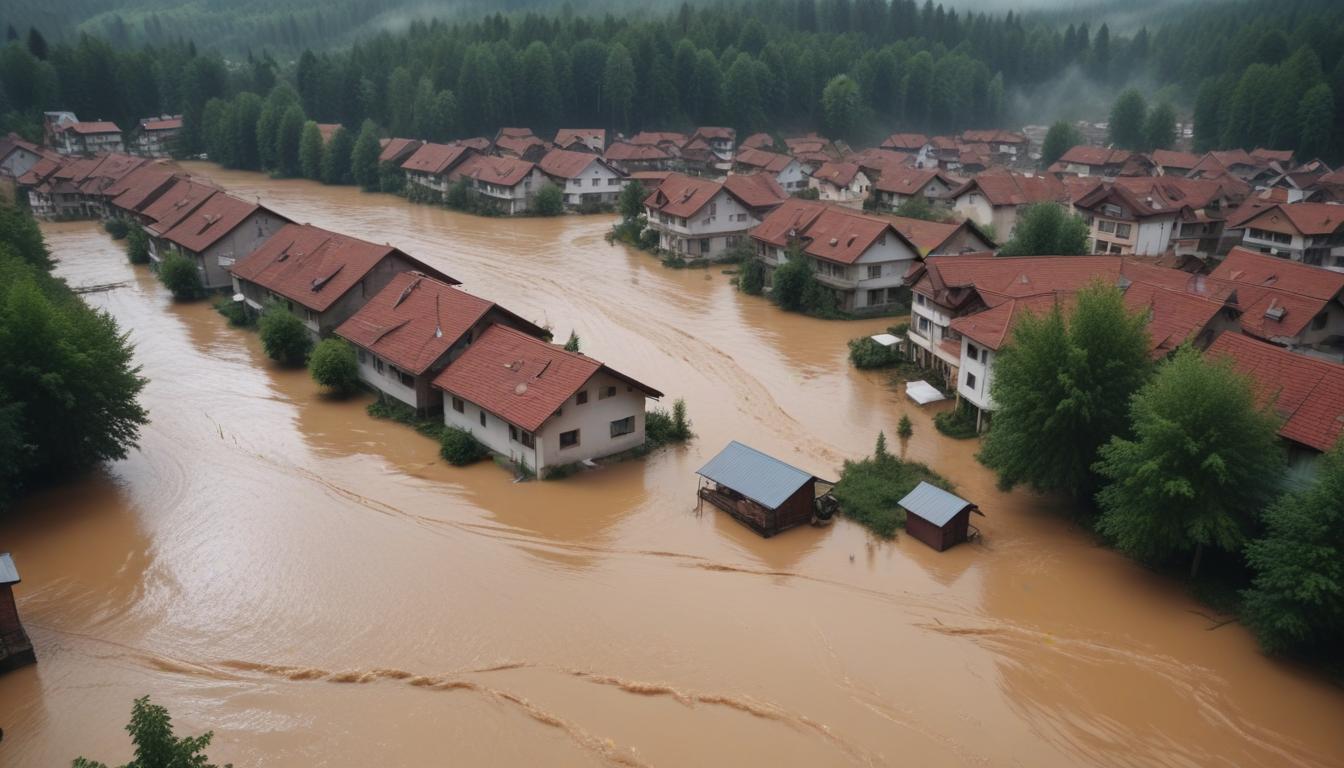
(838, 283)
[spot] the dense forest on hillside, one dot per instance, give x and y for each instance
(1258, 72)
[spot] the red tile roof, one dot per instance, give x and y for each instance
(141, 187)
(504, 171)
(993, 136)
(1306, 393)
(515, 133)
(42, 169)
(681, 195)
(756, 190)
(1168, 158)
(436, 159)
(766, 161)
(97, 126)
(314, 267)
(397, 149)
(521, 379)
(586, 136)
(927, 236)
(757, 141)
(1000, 188)
(621, 151)
(901, 180)
(1088, 155)
(518, 145)
(910, 142)
(1314, 219)
(416, 319)
(161, 124)
(176, 203)
(655, 138)
(1274, 155)
(567, 164)
(215, 218)
(839, 174)
(715, 132)
(827, 232)
(1278, 297)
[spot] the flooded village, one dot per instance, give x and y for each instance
(595, 479)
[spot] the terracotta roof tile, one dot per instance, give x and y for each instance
(763, 160)
(97, 126)
(909, 181)
(176, 203)
(1306, 393)
(216, 217)
(621, 151)
(566, 137)
(521, 379)
(827, 232)
(1084, 154)
(161, 124)
(398, 149)
(436, 159)
(756, 190)
(839, 174)
(909, 142)
(567, 164)
(757, 141)
(141, 187)
(504, 171)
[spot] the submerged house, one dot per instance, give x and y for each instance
(539, 405)
(430, 164)
(413, 328)
(760, 491)
(16, 650)
(321, 276)
(938, 518)
(509, 183)
(221, 231)
(585, 178)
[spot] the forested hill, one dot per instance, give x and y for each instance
(852, 68)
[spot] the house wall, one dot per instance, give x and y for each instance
(596, 183)
(794, 177)
(976, 374)
(720, 223)
(239, 243)
(962, 242)
(856, 190)
(974, 206)
(18, 163)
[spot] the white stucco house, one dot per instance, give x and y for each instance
(697, 218)
(586, 179)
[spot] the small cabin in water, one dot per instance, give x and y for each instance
(760, 491)
(15, 648)
(938, 518)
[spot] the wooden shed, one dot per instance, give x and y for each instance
(760, 491)
(15, 648)
(938, 518)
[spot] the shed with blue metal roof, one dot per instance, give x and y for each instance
(762, 492)
(936, 517)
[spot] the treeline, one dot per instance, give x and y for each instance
(68, 385)
(752, 65)
(1176, 465)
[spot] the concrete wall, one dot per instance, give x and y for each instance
(239, 243)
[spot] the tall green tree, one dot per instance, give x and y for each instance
(1315, 119)
(1159, 129)
(273, 112)
(1296, 602)
(336, 158)
(1046, 229)
(618, 86)
(841, 105)
(310, 151)
(1128, 114)
(289, 137)
(1061, 387)
(364, 157)
(1061, 137)
(1203, 461)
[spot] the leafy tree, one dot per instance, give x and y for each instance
(905, 428)
(791, 280)
(137, 246)
(284, 336)
(278, 101)
(151, 731)
(1061, 137)
(364, 157)
(1159, 130)
(618, 86)
(1316, 118)
(1204, 460)
(841, 105)
(631, 200)
(550, 200)
(20, 233)
(1062, 390)
(752, 279)
(333, 365)
(460, 447)
(880, 449)
(1127, 120)
(1046, 229)
(1296, 603)
(310, 151)
(37, 44)
(179, 275)
(289, 136)
(572, 345)
(919, 207)
(336, 158)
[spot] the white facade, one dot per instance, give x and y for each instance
(973, 205)
(515, 199)
(929, 327)
(874, 281)
(712, 230)
(18, 162)
(156, 143)
(1112, 232)
(854, 192)
(73, 143)
(933, 191)
(598, 427)
(794, 177)
(596, 184)
(975, 374)
(1321, 251)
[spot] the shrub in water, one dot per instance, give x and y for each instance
(905, 428)
(461, 448)
(864, 354)
(179, 275)
(752, 279)
(284, 336)
(137, 246)
(117, 228)
(663, 427)
(333, 365)
(234, 311)
(957, 423)
(550, 201)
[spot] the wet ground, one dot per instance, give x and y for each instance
(318, 588)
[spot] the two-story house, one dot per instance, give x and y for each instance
(632, 158)
(719, 139)
(898, 184)
(697, 218)
(323, 277)
(1312, 233)
(994, 199)
(430, 164)
(838, 182)
(862, 259)
(1286, 302)
(582, 139)
(220, 232)
(1125, 222)
(586, 179)
(397, 151)
(89, 138)
(1085, 160)
(1004, 147)
(788, 172)
(508, 183)
(157, 136)
(17, 156)
(409, 331)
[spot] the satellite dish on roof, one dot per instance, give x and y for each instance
(520, 389)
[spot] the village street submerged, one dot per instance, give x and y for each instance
(318, 587)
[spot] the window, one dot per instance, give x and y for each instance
(407, 380)
(713, 209)
(569, 439)
(482, 418)
(613, 181)
(704, 246)
(924, 326)
(741, 217)
(459, 406)
(581, 398)
(378, 364)
(972, 351)
(1122, 230)
(605, 392)
(875, 296)
(874, 271)
(596, 182)
(1112, 210)
(521, 436)
(1105, 226)
(970, 381)
(623, 426)
(984, 356)
(363, 357)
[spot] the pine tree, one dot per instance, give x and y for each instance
(1315, 119)
(1159, 130)
(336, 158)
(1127, 120)
(289, 135)
(1061, 137)
(310, 151)
(618, 87)
(364, 157)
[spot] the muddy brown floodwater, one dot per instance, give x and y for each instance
(318, 588)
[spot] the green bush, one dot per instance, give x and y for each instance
(905, 428)
(234, 312)
(333, 365)
(664, 428)
(648, 239)
(117, 228)
(284, 336)
(869, 490)
(958, 423)
(572, 345)
(752, 279)
(180, 276)
(137, 246)
(460, 447)
(550, 200)
(865, 354)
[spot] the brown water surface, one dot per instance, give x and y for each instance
(318, 588)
